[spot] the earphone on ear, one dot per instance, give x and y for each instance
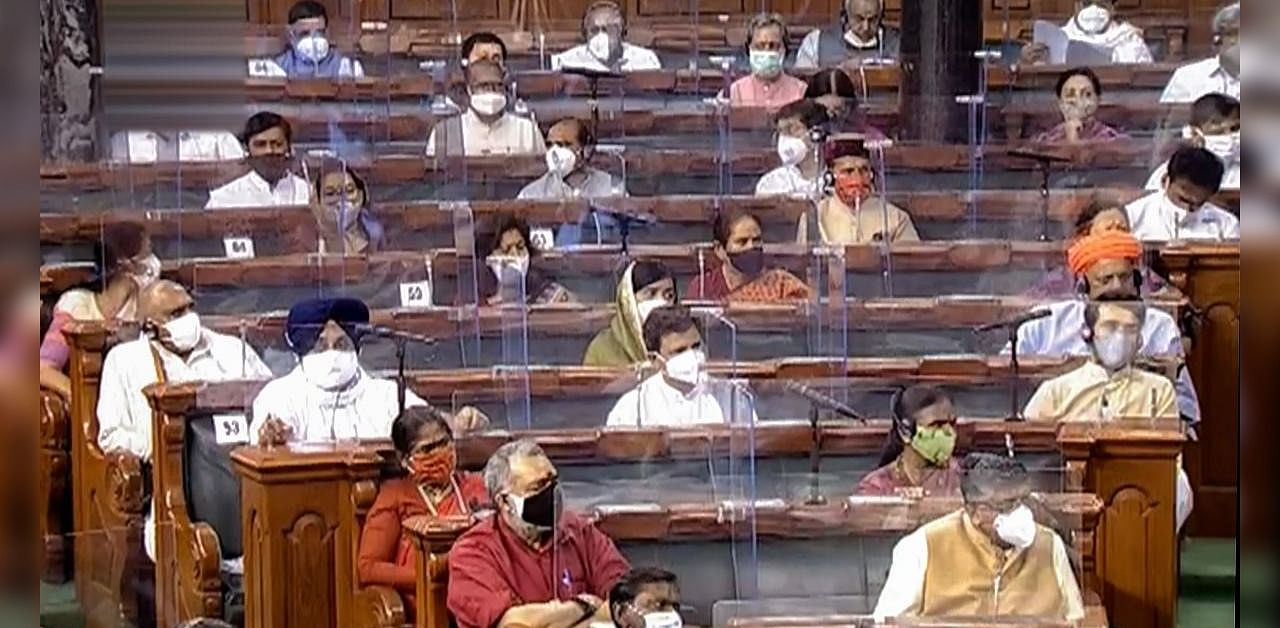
(895, 413)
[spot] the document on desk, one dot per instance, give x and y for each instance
(1054, 38)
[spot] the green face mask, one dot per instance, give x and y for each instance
(934, 444)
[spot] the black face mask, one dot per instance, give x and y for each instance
(270, 167)
(540, 509)
(749, 262)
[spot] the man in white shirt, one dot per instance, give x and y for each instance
(604, 27)
(486, 127)
(147, 147)
(1215, 127)
(268, 139)
(859, 37)
(1094, 23)
(989, 558)
(1217, 74)
(570, 176)
(681, 394)
(794, 125)
(1181, 209)
(310, 54)
(174, 347)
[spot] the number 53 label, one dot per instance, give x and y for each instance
(230, 429)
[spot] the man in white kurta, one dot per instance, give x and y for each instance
(268, 140)
(1181, 209)
(1217, 74)
(487, 127)
(605, 51)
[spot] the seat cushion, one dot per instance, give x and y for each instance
(212, 488)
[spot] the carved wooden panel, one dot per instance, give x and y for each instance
(309, 571)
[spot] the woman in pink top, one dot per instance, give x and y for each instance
(916, 461)
(767, 86)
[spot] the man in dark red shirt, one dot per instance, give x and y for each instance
(530, 564)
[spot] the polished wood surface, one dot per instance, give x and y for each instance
(53, 517)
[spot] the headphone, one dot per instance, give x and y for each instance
(895, 412)
(844, 15)
(596, 6)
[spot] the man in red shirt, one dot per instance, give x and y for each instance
(531, 564)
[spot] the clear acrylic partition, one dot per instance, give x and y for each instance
(117, 587)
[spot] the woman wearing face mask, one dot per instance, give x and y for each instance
(767, 86)
(432, 487)
(835, 91)
(511, 271)
(738, 273)
(916, 459)
(854, 213)
(1094, 23)
(328, 395)
(645, 286)
(344, 221)
(1215, 127)
(794, 125)
(123, 265)
(1079, 91)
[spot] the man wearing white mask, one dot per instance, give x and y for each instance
(604, 27)
(860, 37)
(1181, 210)
(268, 140)
(1215, 127)
(174, 347)
(647, 597)
(1217, 74)
(1094, 23)
(990, 558)
(768, 86)
(570, 176)
(309, 54)
(681, 393)
(486, 127)
(329, 396)
(797, 176)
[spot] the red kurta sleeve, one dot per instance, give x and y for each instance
(380, 542)
(478, 597)
(605, 562)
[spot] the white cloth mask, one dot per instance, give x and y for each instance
(509, 269)
(184, 331)
(792, 150)
(686, 367)
(1226, 146)
(561, 160)
(149, 272)
(489, 103)
(1017, 528)
(859, 42)
(314, 47)
(645, 308)
(1093, 19)
(1116, 350)
(600, 45)
(330, 370)
(663, 619)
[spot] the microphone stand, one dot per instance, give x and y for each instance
(1043, 166)
(401, 384)
(815, 458)
(1015, 406)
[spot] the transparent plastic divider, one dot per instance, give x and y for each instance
(467, 297)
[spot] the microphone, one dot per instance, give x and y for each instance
(1047, 158)
(394, 334)
(823, 400)
(1014, 322)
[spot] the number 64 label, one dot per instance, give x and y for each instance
(230, 429)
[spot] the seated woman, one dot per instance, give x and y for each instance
(855, 214)
(1098, 217)
(1078, 91)
(645, 286)
(1094, 23)
(432, 486)
(344, 221)
(737, 273)
(834, 90)
(510, 272)
(123, 266)
(916, 460)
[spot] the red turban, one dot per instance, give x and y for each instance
(1091, 249)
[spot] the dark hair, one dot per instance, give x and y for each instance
(765, 20)
(647, 272)
(722, 227)
(984, 473)
(1084, 221)
(669, 319)
(1213, 107)
(265, 121)
(1082, 71)
(483, 37)
(626, 589)
(499, 225)
(374, 231)
(404, 430)
(832, 81)
(120, 242)
(1133, 306)
(307, 8)
(902, 412)
(1197, 166)
(330, 168)
(810, 113)
(584, 137)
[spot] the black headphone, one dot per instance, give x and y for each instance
(844, 15)
(597, 5)
(895, 412)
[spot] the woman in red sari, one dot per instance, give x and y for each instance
(737, 270)
(916, 460)
(432, 487)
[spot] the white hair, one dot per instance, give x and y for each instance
(497, 472)
(1229, 14)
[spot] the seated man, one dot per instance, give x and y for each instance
(768, 86)
(737, 272)
(1105, 268)
(646, 597)
(1097, 217)
(860, 37)
(1181, 209)
(645, 286)
(604, 27)
(309, 54)
(1094, 23)
(681, 393)
(855, 214)
(531, 563)
(1215, 127)
(174, 347)
(1218, 74)
(486, 127)
(329, 396)
(570, 175)
(268, 139)
(797, 176)
(484, 46)
(989, 558)
(148, 147)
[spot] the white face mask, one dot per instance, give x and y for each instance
(149, 271)
(330, 370)
(184, 331)
(1093, 19)
(1225, 146)
(663, 619)
(859, 42)
(765, 63)
(1017, 528)
(561, 160)
(507, 268)
(488, 103)
(646, 308)
(687, 367)
(792, 150)
(1115, 350)
(600, 45)
(314, 47)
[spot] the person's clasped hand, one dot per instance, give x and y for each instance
(274, 432)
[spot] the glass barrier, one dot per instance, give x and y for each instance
(115, 581)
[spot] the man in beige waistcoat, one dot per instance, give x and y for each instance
(989, 558)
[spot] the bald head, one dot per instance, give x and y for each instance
(570, 133)
(162, 301)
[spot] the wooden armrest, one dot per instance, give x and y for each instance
(126, 482)
(379, 607)
(55, 419)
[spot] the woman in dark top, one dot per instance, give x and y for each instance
(834, 90)
(510, 257)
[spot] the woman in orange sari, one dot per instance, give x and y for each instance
(737, 272)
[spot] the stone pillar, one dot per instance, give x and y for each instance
(68, 51)
(939, 38)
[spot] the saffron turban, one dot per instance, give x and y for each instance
(1091, 249)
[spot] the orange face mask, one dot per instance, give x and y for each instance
(433, 469)
(853, 188)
